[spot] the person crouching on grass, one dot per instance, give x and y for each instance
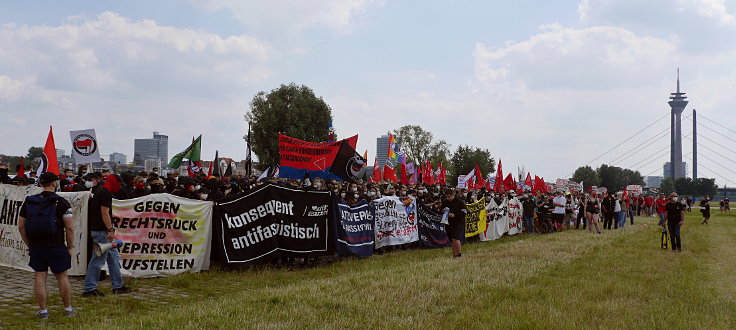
(44, 221)
(456, 221)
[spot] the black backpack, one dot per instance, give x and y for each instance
(41, 214)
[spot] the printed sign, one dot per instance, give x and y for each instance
(475, 219)
(395, 222)
(162, 234)
(84, 146)
(355, 224)
(431, 231)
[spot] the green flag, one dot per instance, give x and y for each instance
(190, 153)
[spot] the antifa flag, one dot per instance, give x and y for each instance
(298, 157)
(354, 228)
(431, 230)
(274, 221)
(348, 163)
(48, 158)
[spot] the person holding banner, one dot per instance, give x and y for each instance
(102, 231)
(456, 221)
(47, 248)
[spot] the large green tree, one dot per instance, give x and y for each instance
(291, 110)
(420, 146)
(465, 158)
(667, 186)
(588, 176)
(616, 178)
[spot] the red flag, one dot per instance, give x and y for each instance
(443, 175)
(479, 181)
(209, 171)
(112, 184)
(545, 190)
(49, 163)
(22, 171)
(376, 177)
(498, 187)
(194, 166)
(429, 174)
(508, 183)
(389, 174)
(404, 180)
(528, 181)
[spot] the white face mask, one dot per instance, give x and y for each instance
(371, 194)
(89, 184)
(342, 195)
(356, 195)
(355, 189)
(674, 199)
(197, 187)
(204, 196)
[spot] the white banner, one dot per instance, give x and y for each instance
(502, 219)
(14, 252)
(162, 234)
(85, 149)
(634, 189)
(395, 223)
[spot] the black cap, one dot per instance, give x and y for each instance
(48, 177)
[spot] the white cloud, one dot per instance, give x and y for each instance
(291, 16)
(127, 78)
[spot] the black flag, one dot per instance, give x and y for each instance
(229, 170)
(248, 160)
(216, 166)
(348, 163)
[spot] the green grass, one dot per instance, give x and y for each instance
(574, 279)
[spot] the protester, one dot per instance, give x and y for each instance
(139, 188)
(45, 223)
(608, 207)
(558, 213)
(619, 211)
(4, 177)
(569, 211)
(661, 203)
(705, 209)
(673, 219)
(593, 210)
(528, 206)
(456, 221)
(581, 215)
(102, 231)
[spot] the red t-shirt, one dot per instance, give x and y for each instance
(661, 202)
(649, 201)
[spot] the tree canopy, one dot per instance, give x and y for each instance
(465, 157)
(291, 110)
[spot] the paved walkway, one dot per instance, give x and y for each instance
(16, 290)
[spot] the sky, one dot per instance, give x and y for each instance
(547, 85)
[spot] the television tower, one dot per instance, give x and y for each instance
(677, 103)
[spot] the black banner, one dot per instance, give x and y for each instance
(274, 221)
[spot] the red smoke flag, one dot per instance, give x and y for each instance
(49, 163)
(376, 177)
(389, 174)
(498, 187)
(528, 181)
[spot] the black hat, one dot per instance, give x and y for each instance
(48, 177)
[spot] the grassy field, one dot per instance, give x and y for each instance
(574, 279)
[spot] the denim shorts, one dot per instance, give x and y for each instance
(43, 258)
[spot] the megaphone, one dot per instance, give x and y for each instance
(101, 248)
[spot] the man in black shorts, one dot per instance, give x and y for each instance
(456, 221)
(44, 236)
(705, 209)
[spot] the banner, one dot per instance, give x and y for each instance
(635, 189)
(504, 218)
(273, 221)
(84, 146)
(14, 252)
(348, 164)
(355, 234)
(395, 222)
(297, 157)
(431, 232)
(461, 181)
(162, 234)
(475, 219)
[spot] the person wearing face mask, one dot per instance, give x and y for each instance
(139, 188)
(156, 186)
(674, 218)
(705, 209)
(102, 231)
(67, 182)
(456, 227)
(342, 194)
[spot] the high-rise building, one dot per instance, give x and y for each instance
(59, 153)
(156, 148)
(677, 104)
(382, 149)
(681, 170)
(653, 181)
(118, 158)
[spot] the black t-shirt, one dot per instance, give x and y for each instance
(529, 206)
(456, 207)
(705, 204)
(100, 197)
(592, 207)
(57, 239)
(674, 210)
